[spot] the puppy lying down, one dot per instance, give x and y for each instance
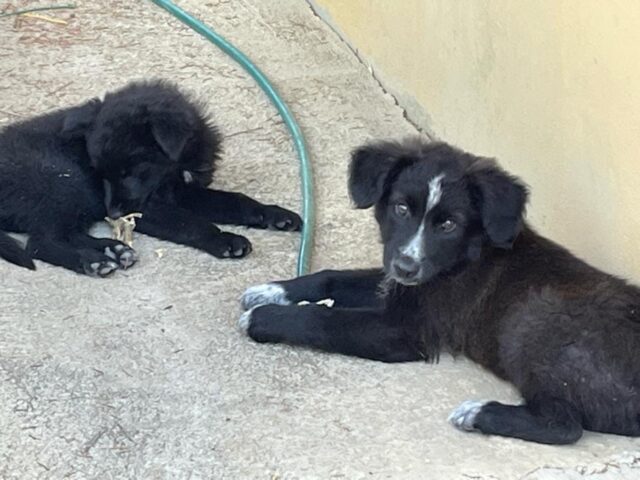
(463, 273)
(146, 148)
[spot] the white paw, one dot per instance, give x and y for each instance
(122, 254)
(128, 258)
(265, 294)
(464, 416)
(245, 319)
(100, 269)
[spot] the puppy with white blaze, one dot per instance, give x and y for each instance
(463, 273)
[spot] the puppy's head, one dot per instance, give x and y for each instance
(437, 206)
(143, 140)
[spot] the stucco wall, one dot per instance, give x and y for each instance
(549, 87)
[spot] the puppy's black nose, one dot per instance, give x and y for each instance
(406, 267)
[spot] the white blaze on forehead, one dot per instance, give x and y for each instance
(415, 247)
(435, 192)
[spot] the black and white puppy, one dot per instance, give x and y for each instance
(146, 148)
(464, 274)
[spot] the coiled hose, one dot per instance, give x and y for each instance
(308, 212)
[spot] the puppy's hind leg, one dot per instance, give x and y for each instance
(11, 251)
(549, 421)
(118, 251)
(61, 253)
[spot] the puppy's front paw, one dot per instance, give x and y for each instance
(229, 245)
(255, 323)
(124, 255)
(464, 416)
(245, 320)
(265, 323)
(278, 218)
(267, 293)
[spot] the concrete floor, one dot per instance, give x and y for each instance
(144, 375)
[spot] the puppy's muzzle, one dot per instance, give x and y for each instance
(406, 270)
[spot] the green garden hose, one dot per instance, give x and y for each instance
(308, 212)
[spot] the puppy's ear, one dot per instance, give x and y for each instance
(502, 198)
(171, 134)
(370, 166)
(79, 119)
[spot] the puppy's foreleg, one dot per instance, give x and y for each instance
(233, 208)
(362, 333)
(181, 226)
(348, 288)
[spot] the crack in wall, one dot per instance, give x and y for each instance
(317, 12)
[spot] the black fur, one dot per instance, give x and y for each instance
(145, 148)
(564, 333)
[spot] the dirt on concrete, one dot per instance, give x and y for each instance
(144, 375)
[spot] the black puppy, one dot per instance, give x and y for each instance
(145, 148)
(464, 274)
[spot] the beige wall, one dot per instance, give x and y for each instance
(549, 87)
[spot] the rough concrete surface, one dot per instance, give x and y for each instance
(144, 375)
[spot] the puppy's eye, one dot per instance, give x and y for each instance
(448, 225)
(401, 209)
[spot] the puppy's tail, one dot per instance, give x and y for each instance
(11, 251)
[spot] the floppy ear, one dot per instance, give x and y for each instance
(369, 168)
(78, 119)
(503, 198)
(171, 135)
